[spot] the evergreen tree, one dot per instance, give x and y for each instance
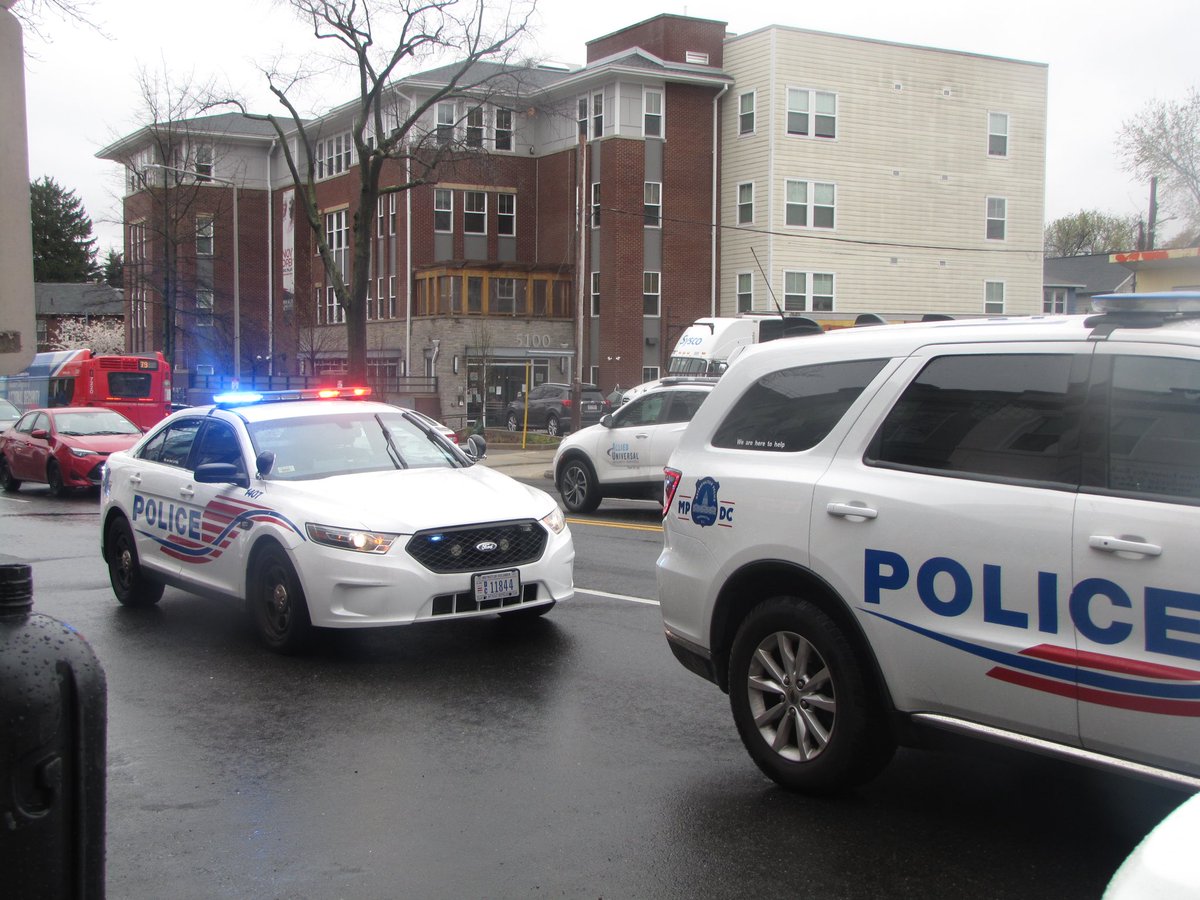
(63, 247)
(114, 269)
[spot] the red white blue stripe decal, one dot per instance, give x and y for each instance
(220, 524)
(1088, 677)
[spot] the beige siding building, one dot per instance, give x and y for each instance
(860, 176)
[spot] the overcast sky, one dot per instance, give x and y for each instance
(1106, 60)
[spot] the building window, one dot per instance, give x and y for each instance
(822, 292)
(595, 204)
(1054, 300)
(651, 294)
(504, 129)
(583, 117)
(333, 155)
(334, 313)
(795, 291)
(652, 113)
(997, 134)
(997, 214)
(598, 114)
(503, 297)
(796, 204)
(745, 203)
(391, 297)
(649, 373)
(811, 113)
(474, 212)
(391, 213)
(204, 164)
(204, 308)
(474, 295)
(380, 215)
(445, 123)
(993, 298)
(745, 292)
(595, 294)
(337, 237)
(746, 113)
(443, 210)
(652, 204)
(475, 127)
(204, 236)
(593, 374)
(506, 214)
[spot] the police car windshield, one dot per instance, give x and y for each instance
(347, 443)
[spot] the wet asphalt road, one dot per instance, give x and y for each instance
(569, 757)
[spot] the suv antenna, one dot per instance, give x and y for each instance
(770, 289)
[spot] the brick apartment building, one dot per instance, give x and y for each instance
(602, 212)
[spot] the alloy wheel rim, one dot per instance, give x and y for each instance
(791, 696)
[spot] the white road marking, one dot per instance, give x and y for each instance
(624, 597)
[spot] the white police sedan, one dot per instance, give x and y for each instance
(326, 512)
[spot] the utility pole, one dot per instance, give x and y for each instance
(1153, 219)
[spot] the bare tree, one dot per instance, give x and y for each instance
(377, 41)
(168, 173)
(34, 13)
(1163, 141)
(1090, 231)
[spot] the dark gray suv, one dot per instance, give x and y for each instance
(550, 408)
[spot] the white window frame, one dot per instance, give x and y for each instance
(809, 205)
(379, 216)
(335, 313)
(475, 125)
(652, 204)
(652, 288)
(805, 102)
(738, 293)
(506, 218)
(1002, 218)
(445, 122)
(506, 289)
(205, 236)
(391, 214)
(595, 295)
(504, 138)
(204, 308)
(597, 118)
(741, 204)
(990, 305)
(391, 297)
(649, 115)
(447, 211)
(595, 216)
(337, 237)
(583, 116)
(815, 296)
(202, 165)
(743, 113)
(479, 215)
(810, 299)
(992, 133)
(1054, 301)
(650, 373)
(594, 375)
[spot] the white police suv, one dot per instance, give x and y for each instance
(988, 527)
(624, 455)
(326, 512)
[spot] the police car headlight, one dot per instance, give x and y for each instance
(350, 538)
(78, 451)
(555, 520)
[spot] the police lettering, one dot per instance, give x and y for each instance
(178, 520)
(1097, 607)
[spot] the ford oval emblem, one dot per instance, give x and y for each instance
(486, 546)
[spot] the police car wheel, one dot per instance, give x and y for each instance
(54, 478)
(277, 603)
(801, 700)
(10, 484)
(129, 583)
(577, 486)
(511, 421)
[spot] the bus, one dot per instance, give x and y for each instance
(138, 385)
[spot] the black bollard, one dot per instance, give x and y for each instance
(53, 720)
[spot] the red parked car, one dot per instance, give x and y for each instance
(64, 447)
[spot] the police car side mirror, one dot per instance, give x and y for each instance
(475, 448)
(221, 473)
(264, 463)
(606, 420)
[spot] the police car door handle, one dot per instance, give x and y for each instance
(187, 492)
(1110, 544)
(851, 511)
(135, 479)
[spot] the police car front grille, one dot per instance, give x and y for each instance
(477, 547)
(464, 602)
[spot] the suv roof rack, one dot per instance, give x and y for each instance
(688, 379)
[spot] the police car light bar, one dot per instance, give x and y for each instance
(248, 398)
(1159, 302)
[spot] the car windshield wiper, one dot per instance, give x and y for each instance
(393, 452)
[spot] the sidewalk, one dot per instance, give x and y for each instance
(533, 462)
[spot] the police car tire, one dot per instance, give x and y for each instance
(129, 583)
(10, 484)
(577, 486)
(858, 745)
(277, 604)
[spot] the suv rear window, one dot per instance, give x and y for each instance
(1007, 416)
(794, 409)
